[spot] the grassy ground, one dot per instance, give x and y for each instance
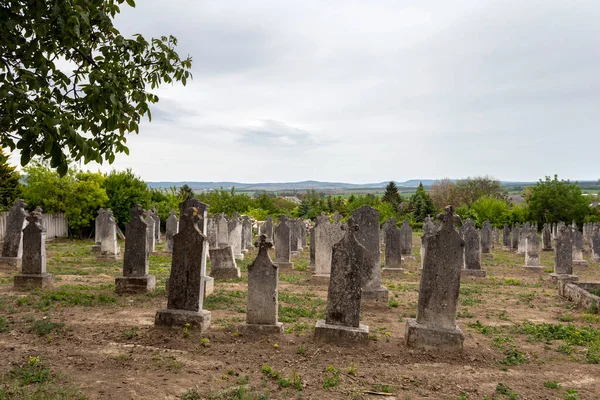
(80, 340)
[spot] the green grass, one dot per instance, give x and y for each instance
(43, 327)
(552, 385)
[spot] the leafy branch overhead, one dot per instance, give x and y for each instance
(71, 86)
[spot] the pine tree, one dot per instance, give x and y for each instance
(422, 204)
(392, 194)
(185, 192)
(9, 183)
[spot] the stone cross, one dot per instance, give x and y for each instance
(262, 303)
(34, 273)
(472, 250)
(342, 321)
(12, 249)
(172, 227)
(186, 288)
(135, 277)
(435, 327)
(202, 216)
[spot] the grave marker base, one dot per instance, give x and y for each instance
(135, 284)
(419, 336)
(338, 334)
(32, 281)
(255, 329)
(197, 320)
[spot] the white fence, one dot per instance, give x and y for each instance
(55, 224)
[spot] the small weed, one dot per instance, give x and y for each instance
(32, 372)
(351, 370)
(465, 314)
(186, 330)
(192, 394)
(300, 349)
(572, 394)
(501, 388)
(483, 329)
(393, 303)
(512, 356)
(43, 327)
(205, 342)
(552, 384)
(332, 379)
(565, 348)
(131, 333)
(566, 318)
(383, 388)
(3, 325)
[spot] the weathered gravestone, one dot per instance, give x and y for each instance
(172, 227)
(388, 224)
(262, 303)
(268, 228)
(150, 231)
(532, 253)
(428, 229)
(98, 230)
(303, 233)
(212, 231)
(563, 256)
(109, 249)
(406, 239)
(186, 288)
(222, 263)
(311, 265)
(156, 218)
(547, 237)
(282, 244)
(486, 240)
(326, 235)
(294, 237)
(523, 233)
(368, 235)
(578, 247)
(392, 238)
(12, 249)
(506, 238)
(435, 327)
(342, 321)
(472, 250)
(246, 233)
(33, 269)
(222, 231)
(595, 238)
(515, 236)
(135, 277)
(234, 226)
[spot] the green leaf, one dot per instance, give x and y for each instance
(131, 3)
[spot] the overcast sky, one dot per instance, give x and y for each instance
(359, 91)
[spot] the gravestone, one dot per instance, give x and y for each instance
(212, 228)
(506, 238)
(12, 249)
(282, 244)
(368, 236)
(595, 238)
(326, 235)
(303, 232)
(406, 239)
(172, 227)
(435, 327)
(186, 285)
(547, 237)
(268, 228)
(393, 249)
(532, 253)
(497, 237)
(523, 233)
(554, 231)
(428, 229)
(33, 268)
(578, 247)
(235, 237)
(342, 321)
(472, 250)
(109, 249)
(311, 265)
(222, 231)
(98, 230)
(294, 237)
(262, 304)
(150, 233)
(486, 240)
(156, 218)
(135, 277)
(246, 233)
(563, 256)
(222, 263)
(388, 224)
(515, 236)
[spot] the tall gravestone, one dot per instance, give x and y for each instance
(172, 227)
(486, 240)
(262, 304)
(294, 237)
(156, 218)
(109, 249)
(428, 229)
(578, 247)
(472, 250)
(388, 224)
(98, 230)
(506, 238)
(186, 287)
(212, 231)
(135, 277)
(595, 239)
(234, 226)
(268, 228)
(406, 239)
(150, 232)
(532, 253)
(33, 269)
(12, 249)
(283, 252)
(368, 236)
(246, 233)
(326, 235)
(563, 256)
(523, 233)
(303, 233)
(547, 237)
(311, 265)
(222, 232)
(342, 321)
(515, 237)
(393, 249)
(435, 327)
